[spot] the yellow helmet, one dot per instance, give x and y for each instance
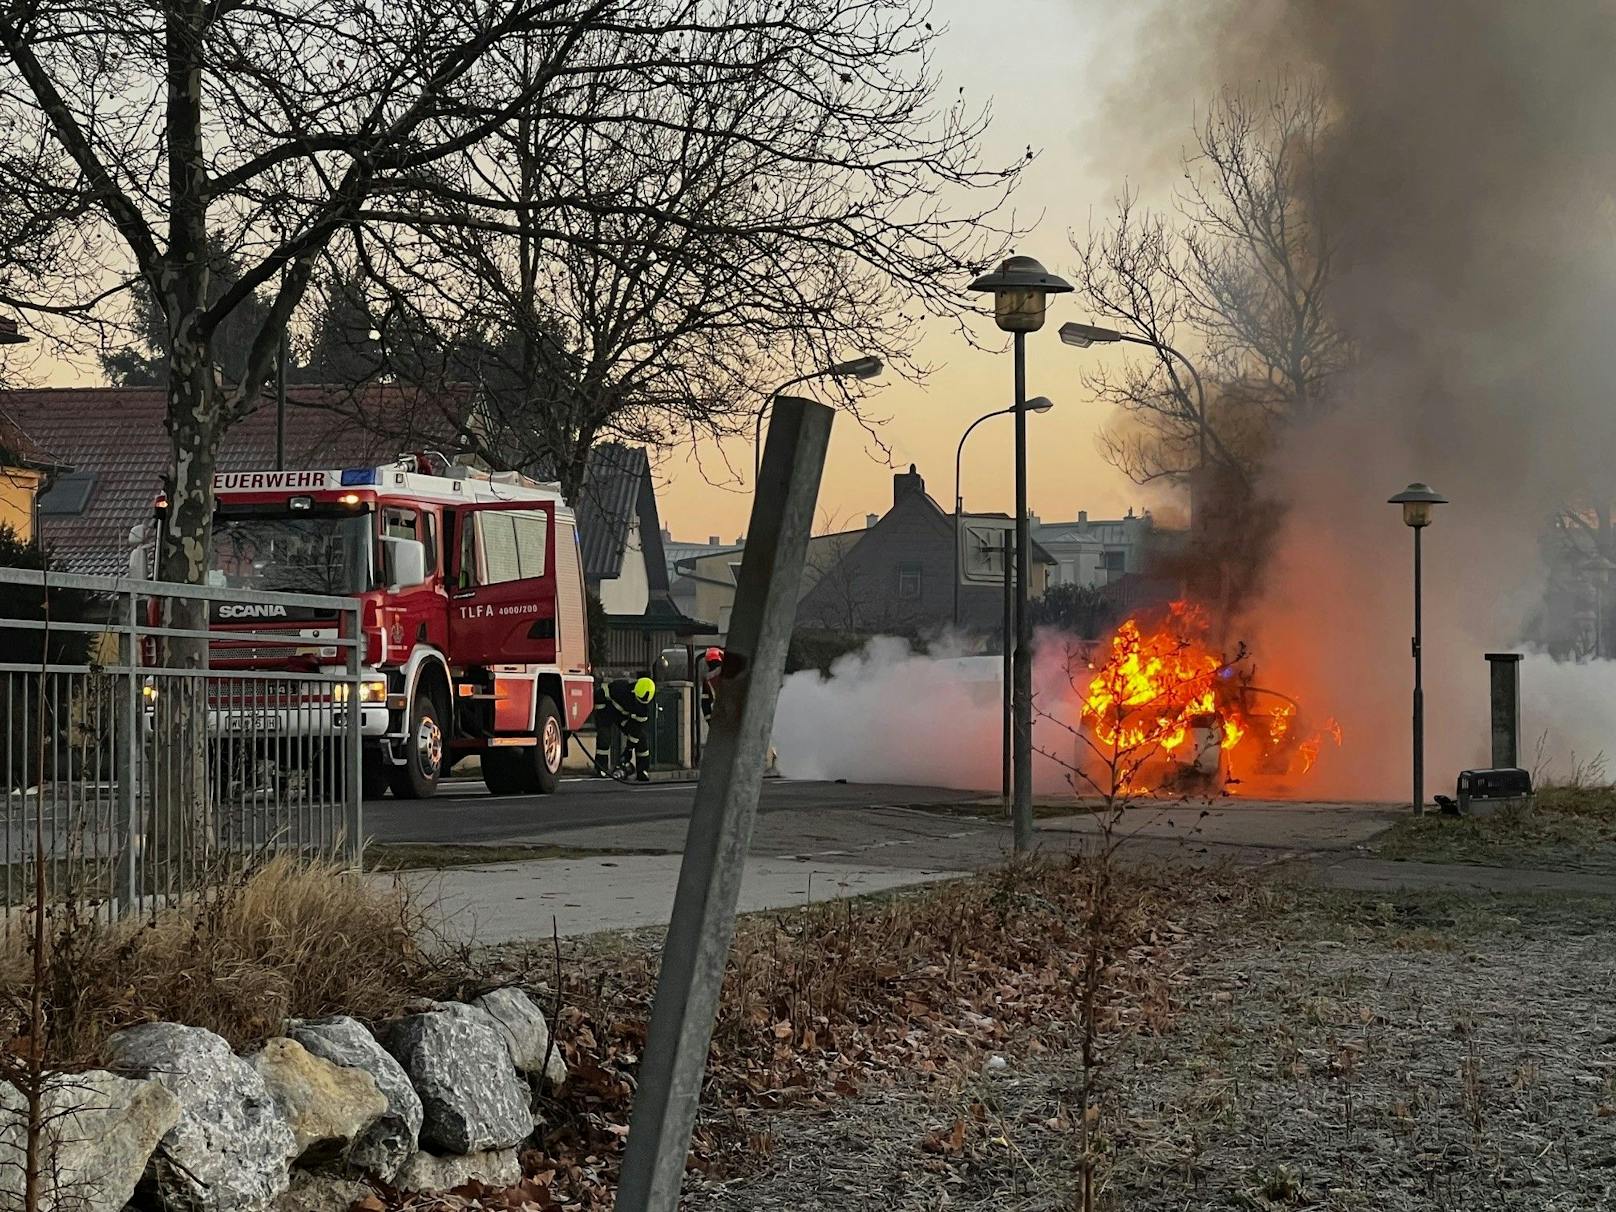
(645, 690)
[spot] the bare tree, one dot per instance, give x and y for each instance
(145, 127)
(640, 252)
(1238, 277)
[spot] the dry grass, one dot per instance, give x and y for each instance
(851, 997)
(1328, 1050)
(1569, 826)
(287, 940)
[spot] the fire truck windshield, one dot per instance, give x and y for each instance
(293, 553)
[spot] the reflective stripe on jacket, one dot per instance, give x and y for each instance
(620, 694)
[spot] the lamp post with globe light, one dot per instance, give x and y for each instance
(1021, 288)
(1418, 500)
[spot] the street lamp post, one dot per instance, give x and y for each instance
(1036, 404)
(864, 367)
(1417, 501)
(1021, 287)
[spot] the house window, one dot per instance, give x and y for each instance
(1114, 561)
(68, 494)
(908, 582)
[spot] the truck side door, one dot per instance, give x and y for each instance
(502, 601)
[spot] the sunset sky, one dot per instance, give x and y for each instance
(1045, 90)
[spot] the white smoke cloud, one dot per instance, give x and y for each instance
(888, 715)
(1566, 715)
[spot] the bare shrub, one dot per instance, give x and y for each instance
(289, 939)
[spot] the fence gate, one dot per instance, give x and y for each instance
(137, 782)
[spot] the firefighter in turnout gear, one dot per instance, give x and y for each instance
(713, 659)
(628, 705)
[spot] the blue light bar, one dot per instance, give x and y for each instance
(355, 477)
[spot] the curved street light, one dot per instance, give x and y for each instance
(866, 366)
(1084, 335)
(1039, 404)
(1021, 288)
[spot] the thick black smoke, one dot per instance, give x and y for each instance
(1469, 176)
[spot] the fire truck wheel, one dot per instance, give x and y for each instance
(425, 748)
(502, 771)
(552, 743)
(531, 768)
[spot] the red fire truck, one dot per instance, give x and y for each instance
(473, 613)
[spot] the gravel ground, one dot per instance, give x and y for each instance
(1340, 1052)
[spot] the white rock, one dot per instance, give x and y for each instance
(472, 1098)
(429, 1174)
(526, 1033)
(230, 1150)
(393, 1138)
(100, 1132)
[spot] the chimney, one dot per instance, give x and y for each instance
(712, 541)
(667, 535)
(1082, 517)
(905, 483)
(870, 519)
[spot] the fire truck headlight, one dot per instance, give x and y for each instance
(373, 691)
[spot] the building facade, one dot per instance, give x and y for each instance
(1096, 552)
(24, 468)
(898, 574)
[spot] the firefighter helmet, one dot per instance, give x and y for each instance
(645, 690)
(714, 657)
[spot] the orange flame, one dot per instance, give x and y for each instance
(1157, 685)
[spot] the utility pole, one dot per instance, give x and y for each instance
(1008, 710)
(697, 946)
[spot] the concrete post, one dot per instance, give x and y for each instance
(697, 947)
(1504, 676)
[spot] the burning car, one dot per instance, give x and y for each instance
(1163, 710)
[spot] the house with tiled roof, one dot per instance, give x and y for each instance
(897, 574)
(115, 445)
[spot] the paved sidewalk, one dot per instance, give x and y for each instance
(817, 854)
(1371, 874)
(510, 902)
(807, 855)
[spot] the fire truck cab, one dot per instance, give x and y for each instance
(472, 616)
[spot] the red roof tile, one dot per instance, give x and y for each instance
(118, 435)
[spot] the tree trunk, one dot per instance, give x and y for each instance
(575, 467)
(178, 826)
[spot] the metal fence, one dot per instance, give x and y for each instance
(136, 781)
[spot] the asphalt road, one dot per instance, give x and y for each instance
(464, 813)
